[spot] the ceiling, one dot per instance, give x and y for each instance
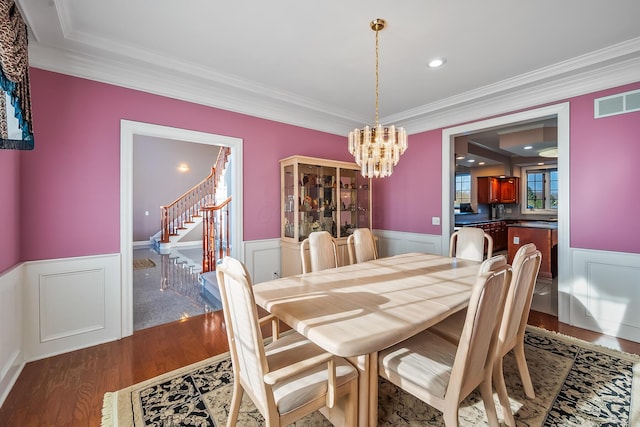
(519, 144)
(311, 63)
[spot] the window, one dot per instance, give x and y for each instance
(541, 187)
(463, 188)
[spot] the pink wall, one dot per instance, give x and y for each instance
(408, 199)
(10, 209)
(71, 180)
(604, 177)
(604, 184)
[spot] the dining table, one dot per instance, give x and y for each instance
(357, 310)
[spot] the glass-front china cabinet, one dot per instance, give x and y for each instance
(319, 194)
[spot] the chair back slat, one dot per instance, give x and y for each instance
(243, 330)
(322, 251)
(479, 334)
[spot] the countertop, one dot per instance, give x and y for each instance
(536, 224)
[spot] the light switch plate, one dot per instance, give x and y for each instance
(516, 240)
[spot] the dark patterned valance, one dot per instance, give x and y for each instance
(16, 125)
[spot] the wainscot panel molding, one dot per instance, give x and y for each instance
(262, 258)
(70, 304)
(397, 242)
(606, 292)
(11, 329)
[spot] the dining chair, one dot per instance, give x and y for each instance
(288, 378)
(469, 243)
(318, 252)
(442, 373)
(526, 264)
(361, 246)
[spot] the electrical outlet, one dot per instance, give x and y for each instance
(275, 275)
(508, 210)
(516, 240)
(435, 220)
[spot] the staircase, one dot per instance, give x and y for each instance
(196, 205)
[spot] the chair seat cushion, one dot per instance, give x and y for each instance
(298, 390)
(422, 362)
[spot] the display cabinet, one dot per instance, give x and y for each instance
(319, 194)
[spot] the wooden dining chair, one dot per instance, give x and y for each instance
(442, 373)
(287, 379)
(469, 243)
(526, 265)
(318, 252)
(361, 246)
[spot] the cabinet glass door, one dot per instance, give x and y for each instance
(317, 199)
(290, 202)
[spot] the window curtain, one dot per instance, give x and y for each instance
(16, 125)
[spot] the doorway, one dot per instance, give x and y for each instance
(129, 129)
(561, 113)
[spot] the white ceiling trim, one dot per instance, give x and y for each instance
(550, 84)
(526, 97)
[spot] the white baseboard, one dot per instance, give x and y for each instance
(70, 304)
(605, 292)
(397, 242)
(11, 329)
(262, 258)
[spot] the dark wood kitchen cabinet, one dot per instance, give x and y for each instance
(488, 190)
(492, 189)
(509, 190)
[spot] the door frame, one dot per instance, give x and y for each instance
(561, 111)
(128, 129)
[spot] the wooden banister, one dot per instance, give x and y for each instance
(215, 234)
(182, 210)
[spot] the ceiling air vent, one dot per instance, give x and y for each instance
(617, 104)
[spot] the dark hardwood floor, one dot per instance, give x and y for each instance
(67, 390)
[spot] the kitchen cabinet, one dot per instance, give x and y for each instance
(544, 235)
(509, 190)
(493, 189)
(320, 194)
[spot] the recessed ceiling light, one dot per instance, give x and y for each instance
(528, 147)
(540, 164)
(481, 163)
(437, 62)
(460, 158)
(470, 160)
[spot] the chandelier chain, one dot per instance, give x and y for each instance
(377, 79)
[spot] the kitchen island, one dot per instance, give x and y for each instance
(541, 233)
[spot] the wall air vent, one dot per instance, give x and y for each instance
(620, 103)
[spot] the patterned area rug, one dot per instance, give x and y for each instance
(139, 264)
(576, 384)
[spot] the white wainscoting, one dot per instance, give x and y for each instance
(396, 242)
(70, 304)
(605, 292)
(11, 329)
(262, 258)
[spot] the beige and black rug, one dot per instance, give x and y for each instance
(576, 384)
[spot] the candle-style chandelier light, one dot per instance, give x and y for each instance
(377, 149)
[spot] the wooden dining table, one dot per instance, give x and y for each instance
(357, 310)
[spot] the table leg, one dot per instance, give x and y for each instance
(367, 366)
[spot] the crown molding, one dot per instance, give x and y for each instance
(192, 87)
(606, 68)
(449, 113)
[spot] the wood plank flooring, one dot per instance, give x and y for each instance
(67, 390)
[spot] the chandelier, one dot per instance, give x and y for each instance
(377, 149)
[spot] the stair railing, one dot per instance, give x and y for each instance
(215, 234)
(181, 211)
(175, 215)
